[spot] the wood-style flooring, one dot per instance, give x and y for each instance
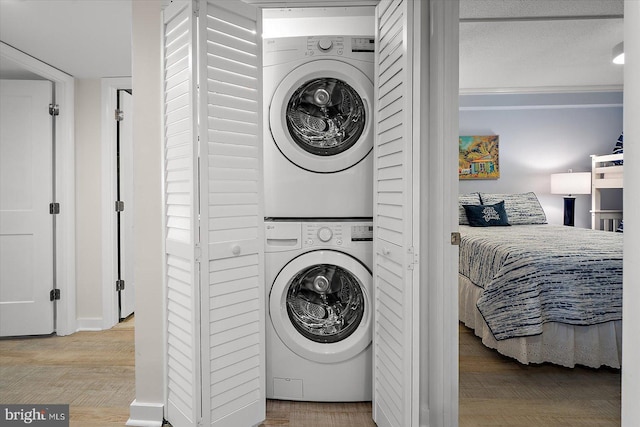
(94, 373)
(498, 391)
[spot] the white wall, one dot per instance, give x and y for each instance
(631, 290)
(88, 139)
(541, 134)
(289, 22)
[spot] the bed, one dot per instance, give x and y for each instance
(537, 292)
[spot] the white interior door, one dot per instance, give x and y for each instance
(26, 226)
(396, 243)
(233, 288)
(125, 165)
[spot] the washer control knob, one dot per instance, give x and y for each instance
(325, 234)
(325, 44)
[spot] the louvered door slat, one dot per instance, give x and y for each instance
(180, 209)
(393, 210)
(218, 62)
(232, 214)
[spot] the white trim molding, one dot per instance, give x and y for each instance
(540, 89)
(145, 414)
(89, 324)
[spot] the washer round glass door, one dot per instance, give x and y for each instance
(321, 118)
(320, 306)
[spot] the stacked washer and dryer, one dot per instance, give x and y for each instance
(318, 144)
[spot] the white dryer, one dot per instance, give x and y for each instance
(318, 138)
(319, 305)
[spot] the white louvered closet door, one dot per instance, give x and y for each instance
(214, 214)
(395, 353)
(181, 239)
(233, 315)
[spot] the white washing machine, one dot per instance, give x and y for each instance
(318, 136)
(319, 305)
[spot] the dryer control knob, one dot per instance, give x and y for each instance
(325, 234)
(325, 44)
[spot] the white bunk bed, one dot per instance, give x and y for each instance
(606, 172)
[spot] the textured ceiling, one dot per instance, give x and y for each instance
(505, 45)
(539, 45)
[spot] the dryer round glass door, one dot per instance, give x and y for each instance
(320, 306)
(320, 116)
(325, 116)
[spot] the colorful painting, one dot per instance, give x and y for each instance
(478, 157)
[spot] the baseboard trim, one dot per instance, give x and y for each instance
(145, 414)
(89, 324)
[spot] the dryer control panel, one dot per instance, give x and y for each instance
(286, 49)
(287, 235)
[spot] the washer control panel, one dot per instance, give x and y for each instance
(335, 234)
(325, 44)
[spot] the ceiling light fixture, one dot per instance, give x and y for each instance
(618, 53)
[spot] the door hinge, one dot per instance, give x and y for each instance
(54, 295)
(54, 208)
(119, 115)
(197, 253)
(54, 110)
(119, 206)
(119, 285)
(413, 258)
(455, 238)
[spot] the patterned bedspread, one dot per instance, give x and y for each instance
(533, 274)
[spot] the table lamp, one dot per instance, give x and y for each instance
(570, 183)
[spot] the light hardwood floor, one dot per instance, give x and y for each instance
(94, 373)
(497, 391)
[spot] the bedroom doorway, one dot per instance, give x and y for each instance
(482, 368)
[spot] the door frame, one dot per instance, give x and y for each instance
(65, 246)
(110, 87)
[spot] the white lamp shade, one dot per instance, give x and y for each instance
(571, 183)
(618, 53)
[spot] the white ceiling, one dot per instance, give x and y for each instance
(505, 45)
(83, 38)
(541, 45)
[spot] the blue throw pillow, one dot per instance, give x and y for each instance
(486, 215)
(620, 228)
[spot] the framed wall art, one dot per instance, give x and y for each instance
(478, 157)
